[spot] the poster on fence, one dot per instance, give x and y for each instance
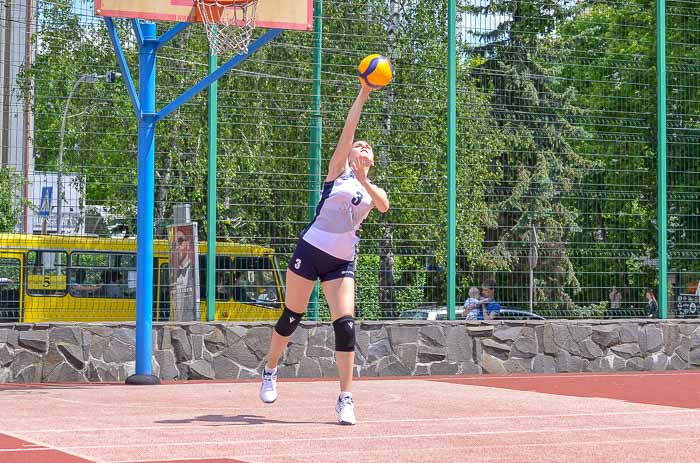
(184, 273)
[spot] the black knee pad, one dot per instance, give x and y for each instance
(288, 322)
(344, 328)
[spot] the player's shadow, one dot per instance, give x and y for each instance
(236, 420)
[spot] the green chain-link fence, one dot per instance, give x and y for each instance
(556, 153)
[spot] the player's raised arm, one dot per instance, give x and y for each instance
(339, 161)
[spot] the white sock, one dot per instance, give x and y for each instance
(344, 394)
(267, 370)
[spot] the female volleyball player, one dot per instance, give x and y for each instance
(326, 250)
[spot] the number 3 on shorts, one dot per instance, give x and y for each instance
(297, 264)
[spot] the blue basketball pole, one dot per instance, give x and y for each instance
(145, 192)
(145, 108)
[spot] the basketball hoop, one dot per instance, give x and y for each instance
(229, 23)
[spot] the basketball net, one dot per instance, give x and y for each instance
(229, 24)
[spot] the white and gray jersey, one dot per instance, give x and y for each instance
(344, 205)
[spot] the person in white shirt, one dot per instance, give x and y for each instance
(326, 250)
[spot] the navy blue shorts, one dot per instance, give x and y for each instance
(311, 263)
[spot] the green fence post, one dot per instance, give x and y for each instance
(451, 156)
(211, 190)
(661, 156)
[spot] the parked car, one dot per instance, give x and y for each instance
(430, 313)
(511, 313)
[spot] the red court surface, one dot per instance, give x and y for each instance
(617, 417)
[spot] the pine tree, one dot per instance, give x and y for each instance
(538, 167)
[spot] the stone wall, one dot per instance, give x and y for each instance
(105, 352)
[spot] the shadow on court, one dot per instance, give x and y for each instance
(238, 420)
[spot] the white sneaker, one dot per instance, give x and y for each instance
(346, 410)
(268, 388)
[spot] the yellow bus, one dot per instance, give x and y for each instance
(64, 278)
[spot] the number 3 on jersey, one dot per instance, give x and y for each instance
(297, 264)
(357, 199)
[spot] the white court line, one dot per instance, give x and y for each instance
(47, 445)
(443, 448)
(419, 449)
(167, 407)
(563, 375)
(37, 449)
(401, 420)
(391, 398)
(394, 436)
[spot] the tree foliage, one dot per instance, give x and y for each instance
(556, 131)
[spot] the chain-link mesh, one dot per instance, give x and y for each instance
(556, 151)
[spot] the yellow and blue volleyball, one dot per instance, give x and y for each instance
(375, 71)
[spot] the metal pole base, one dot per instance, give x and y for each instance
(143, 380)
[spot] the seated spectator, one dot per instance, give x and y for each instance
(488, 307)
(113, 285)
(223, 286)
(471, 303)
(78, 286)
(240, 288)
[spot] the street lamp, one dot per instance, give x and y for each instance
(108, 77)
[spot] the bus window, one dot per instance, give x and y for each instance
(224, 278)
(103, 275)
(9, 289)
(254, 281)
(46, 273)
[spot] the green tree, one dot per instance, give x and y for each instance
(609, 66)
(10, 208)
(537, 167)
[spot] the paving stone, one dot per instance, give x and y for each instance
(197, 341)
(590, 350)
(215, 341)
(677, 363)
(428, 354)
(73, 355)
(507, 333)
(606, 335)
(399, 334)
(242, 355)
(65, 373)
(309, 368)
(37, 341)
(492, 365)
(651, 339)
(258, 340)
(181, 345)
(65, 335)
(656, 362)
(480, 331)
(391, 366)
(378, 350)
(543, 364)
(444, 368)
(201, 369)
(469, 368)
(459, 344)
(118, 352)
(166, 363)
(626, 350)
(635, 364)
(672, 337)
(525, 346)
(6, 355)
